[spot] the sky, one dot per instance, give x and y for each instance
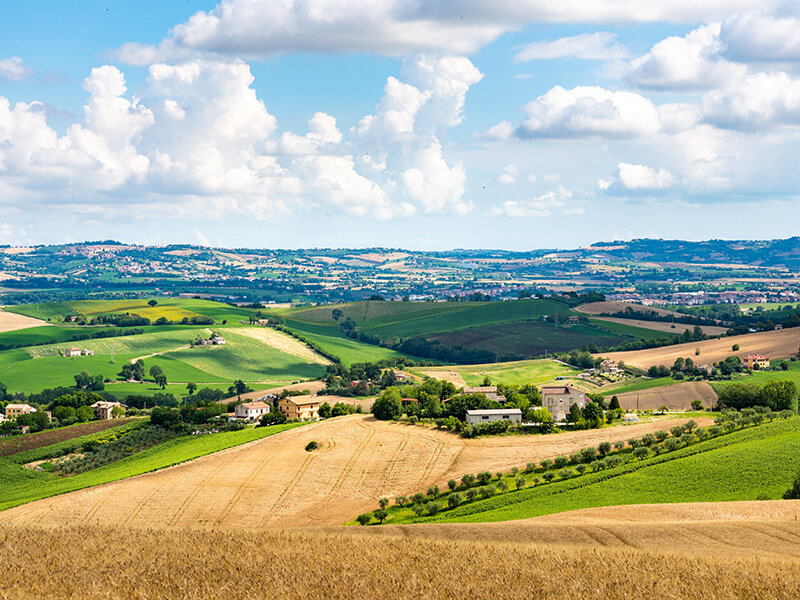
(419, 124)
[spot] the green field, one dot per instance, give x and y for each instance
(173, 309)
(636, 386)
(521, 372)
(19, 485)
(745, 464)
(507, 329)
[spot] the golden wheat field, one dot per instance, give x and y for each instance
(677, 396)
(274, 482)
(105, 562)
(774, 344)
(610, 307)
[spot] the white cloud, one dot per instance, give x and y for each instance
(685, 63)
(589, 111)
(752, 36)
(546, 205)
(601, 45)
(14, 69)
(509, 174)
(760, 102)
(438, 186)
(642, 177)
(257, 28)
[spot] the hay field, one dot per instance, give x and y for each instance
(536, 372)
(677, 396)
(274, 482)
(281, 341)
(774, 344)
(664, 326)
(97, 562)
(598, 308)
(10, 321)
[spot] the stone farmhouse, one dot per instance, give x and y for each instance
(252, 411)
(513, 415)
(304, 408)
(558, 399)
(103, 411)
(751, 360)
(69, 352)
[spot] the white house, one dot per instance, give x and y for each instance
(514, 415)
(558, 399)
(252, 411)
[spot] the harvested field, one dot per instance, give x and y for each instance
(765, 529)
(678, 396)
(21, 443)
(663, 326)
(774, 344)
(95, 562)
(274, 482)
(599, 308)
(313, 387)
(445, 375)
(14, 322)
(284, 343)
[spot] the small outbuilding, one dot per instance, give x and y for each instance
(487, 415)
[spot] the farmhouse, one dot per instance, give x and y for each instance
(103, 410)
(514, 415)
(78, 352)
(559, 398)
(490, 391)
(304, 408)
(15, 410)
(751, 360)
(217, 341)
(252, 411)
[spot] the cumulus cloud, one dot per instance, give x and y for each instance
(509, 174)
(589, 111)
(548, 204)
(642, 177)
(257, 28)
(685, 63)
(601, 45)
(14, 69)
(752, 36)
(197, 132)
(759, 102)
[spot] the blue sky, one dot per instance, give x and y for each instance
(405, 124)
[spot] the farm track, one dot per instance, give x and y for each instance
(274, 482)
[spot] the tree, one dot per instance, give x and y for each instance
(574, 413)
(400, 500)
(543, 418)
(471, 494)
(155, 371)
(152, 302)
(641, 452)
(778, 395)
(486, 381)
(433, 491)
(793, 493)
(593, 413)
(614, 404)
(468, 480)
(502, 486)
(84, 413)
(82, 380)
(117, 412)
(383, 502)
(433, 508)
(388, 405)
(380, 514)
(191, 387)
(161, 380)
(520, 482)
(418, 509)
(65, 415)
(697, 405)
(452, 484)
(273, 417)
(364, 519)
(454, 499)
(604, 448)
(735, 347)
(548, 476)
(324, 410)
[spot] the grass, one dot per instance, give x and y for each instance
(741, 465)
(46, 334)
(637, 386)
(520, 372)
(19, 485)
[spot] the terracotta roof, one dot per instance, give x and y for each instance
(409, 400)
(302, 400)
(255, 405)
(12, 406)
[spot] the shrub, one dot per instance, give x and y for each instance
(701, 433)
(735, 347)
(715, 430)
(364, 519)
(418, 508)
(312, 445)
(785, 414)
(793, 493)
(597, 465)
(697, 405)
(560, 462)
(454, 499)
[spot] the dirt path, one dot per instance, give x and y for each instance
(274, 482)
